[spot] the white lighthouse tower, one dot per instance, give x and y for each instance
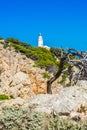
(40, 40)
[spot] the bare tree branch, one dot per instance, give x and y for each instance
(80, 62)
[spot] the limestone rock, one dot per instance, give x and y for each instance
(13, 65)
(69, 99)
(17, 85)
(19, 78)
(13, 102)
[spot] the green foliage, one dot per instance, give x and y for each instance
(19, 48)
(17, 118)
(56, 123)
(46, 75)
(13, 40)
(64, 76)
(3, 97)
(5, 45)
(66, 65)
(16, 41)
(68, 84)
(42, 56)
(25, 45)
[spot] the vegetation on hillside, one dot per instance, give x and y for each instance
(16, 41)
(45, 58)
(41, 56)
(17, 118)
(3, 97)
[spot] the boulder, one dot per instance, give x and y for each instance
(69, 99)
(17, 85)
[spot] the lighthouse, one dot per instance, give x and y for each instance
(40, 40)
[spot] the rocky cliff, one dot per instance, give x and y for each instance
(18, 76)
(25, 85)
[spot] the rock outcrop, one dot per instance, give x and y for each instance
(69, 99)
(18, 76)
(24, 83)
(15, 64)
(17, 85)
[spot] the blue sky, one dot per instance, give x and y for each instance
(63, 23)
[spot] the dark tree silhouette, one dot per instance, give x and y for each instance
(80, 60)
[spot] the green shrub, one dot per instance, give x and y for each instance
(6, 45)
(41, 56)
(17, 118)
(25, 45)
(64, 76)
(46, 75)
(57, 123)
(13, 40)
(19, 48)
(3, 97)
(68, 84)
(16, 41)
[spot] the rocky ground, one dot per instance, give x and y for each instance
(70, 101)
(26, 87)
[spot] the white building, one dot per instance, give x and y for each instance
(40, 42)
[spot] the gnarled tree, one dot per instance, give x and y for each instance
(80, 61)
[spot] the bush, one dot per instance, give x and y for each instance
(42, 56)
(3, 97)
(13, 40)
(46, 75)
(57, 123)
(16, 41)
(17, 118)
(19, 48)
(6, 45)
(25, 45)
(64, 76)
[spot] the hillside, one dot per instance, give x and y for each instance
(17, 62)
(24, 72)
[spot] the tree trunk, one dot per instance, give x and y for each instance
(82, 65)
(49, 82)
